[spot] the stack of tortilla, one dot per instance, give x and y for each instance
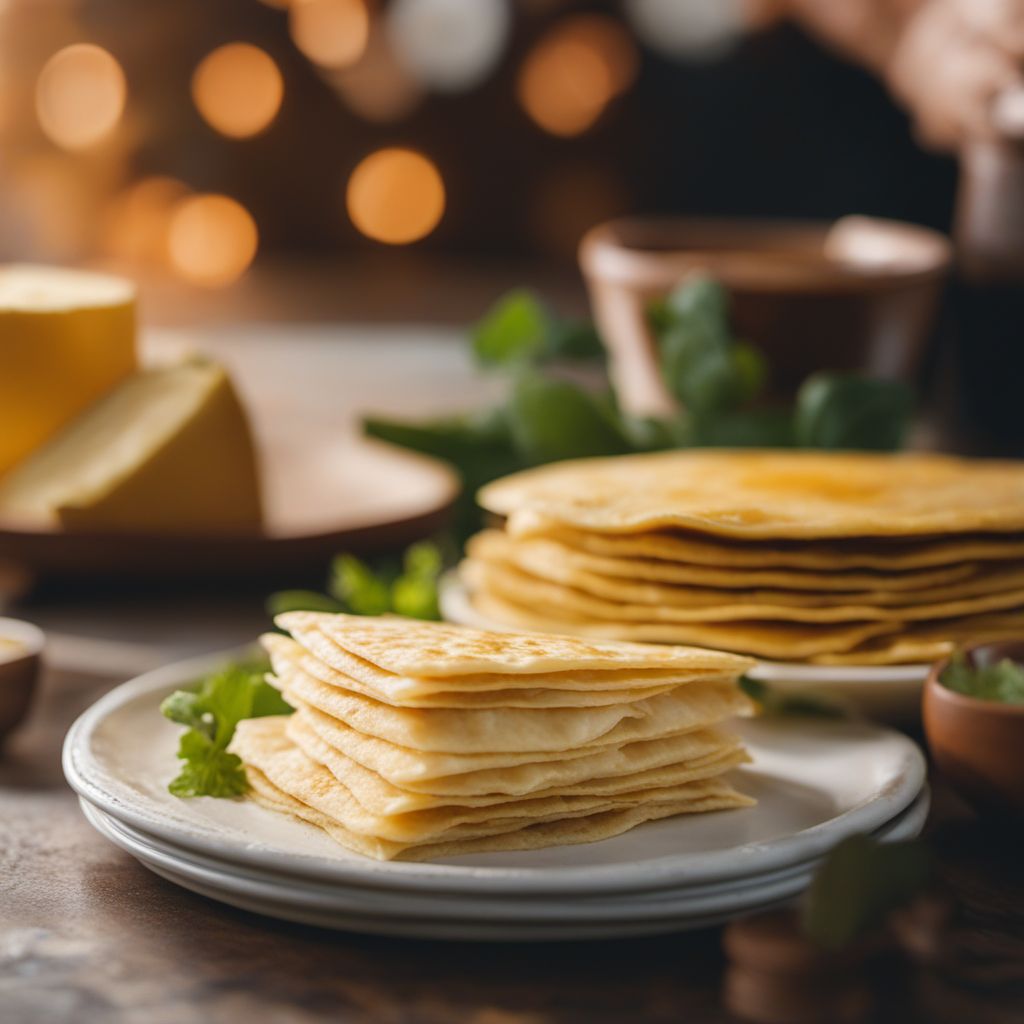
(415, 740)
(788, 556)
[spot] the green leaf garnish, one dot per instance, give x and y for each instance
(858, 884)
(358, 587)
(381, 588)
(414, 592)
(772, 702)
(552, 419)
(847, 411)
(1001, 681)
(211, 713)
(519, 329)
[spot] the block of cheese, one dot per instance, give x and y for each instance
(169, 451)
(66, 338)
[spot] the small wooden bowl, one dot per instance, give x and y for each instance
(978, 745)
(18, 673)
(858, 294)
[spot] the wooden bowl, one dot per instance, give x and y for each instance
(978, 745)
(857, 294)
(19, 672)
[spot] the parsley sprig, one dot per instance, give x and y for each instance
(211, 712)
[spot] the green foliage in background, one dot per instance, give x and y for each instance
(354, 586)
(771, 701)
(718, 379)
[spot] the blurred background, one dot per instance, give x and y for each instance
(363, 148)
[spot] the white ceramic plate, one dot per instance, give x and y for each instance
(816, 781)
(516, 906)
(890, 693)
(451, 916)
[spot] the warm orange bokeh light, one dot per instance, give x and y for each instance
(212, 240)
(80, 96)
(331, 33)
(572, 74)
(395, 196)
(139, 219)
(238, 90)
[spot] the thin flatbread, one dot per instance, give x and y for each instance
(379, 685)
(413, 649)
(894, 558)
(531, 777)
(263, 743)
(782, 641)
(554, 559)
(930, 641)
(712, 755)
(489, 730)
(564, 833)
(526, 590)
(769, 494)
(707, 704)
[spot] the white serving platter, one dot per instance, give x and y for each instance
(451, 916)
(816, 782)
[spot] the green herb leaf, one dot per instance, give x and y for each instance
(355, 584)
(414, 592)
(1002, 681)
(212, 712)
(185, 708)
(552, 419)
(772, 702)
(514, 330)
(701, 300)
(847, 411)
(701, 362)
(858, 884)
(209, 770)
(572, 339)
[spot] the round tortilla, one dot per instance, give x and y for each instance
(768, 494)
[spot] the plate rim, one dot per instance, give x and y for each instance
(906, 825)
(654, 874)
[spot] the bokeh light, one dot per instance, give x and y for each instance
(212, 240)
(695, 30)
(451, 45)
(378, 88)
(138, 221)
(237, 89)
(330, 33)
(395, 196)
(572, 74)
(80, 96)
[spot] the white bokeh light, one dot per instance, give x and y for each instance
(449, 45)
(688, 29)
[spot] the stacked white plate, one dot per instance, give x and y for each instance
(816, 782)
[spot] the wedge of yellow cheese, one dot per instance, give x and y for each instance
(168, 452)
(66, 338)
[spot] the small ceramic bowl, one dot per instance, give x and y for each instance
(858, 294)
(21, 648)
(978, 745)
